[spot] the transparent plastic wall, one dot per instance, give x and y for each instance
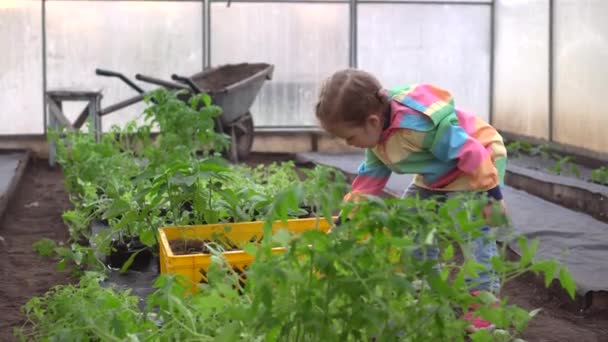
(304, 41)
(156, 38)
(21, 67)
(521, 69)
(448, 45)
(581, 73)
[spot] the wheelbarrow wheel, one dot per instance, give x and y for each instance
(242, 137)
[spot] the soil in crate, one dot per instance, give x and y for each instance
(185, 246)
(228, 75)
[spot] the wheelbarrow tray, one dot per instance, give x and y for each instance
(233, 87)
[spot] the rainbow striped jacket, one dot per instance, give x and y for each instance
(447, 148)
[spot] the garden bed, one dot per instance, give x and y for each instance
(33, 213)
(562, 181)
(25, 274)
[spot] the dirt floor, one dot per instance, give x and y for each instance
(558, 321)
(35, 213)
(36, 210)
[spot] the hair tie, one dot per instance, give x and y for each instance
(382, 95)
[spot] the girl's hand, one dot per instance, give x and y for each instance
(495, 211)
(337, 223)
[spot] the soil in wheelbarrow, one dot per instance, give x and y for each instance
(227, 75)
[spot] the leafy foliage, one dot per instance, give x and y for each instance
(360, 282)
(600, 175)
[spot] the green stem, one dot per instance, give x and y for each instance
(364, 283)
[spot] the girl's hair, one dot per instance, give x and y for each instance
(350, 96)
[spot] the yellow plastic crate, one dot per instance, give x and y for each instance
(193, 266)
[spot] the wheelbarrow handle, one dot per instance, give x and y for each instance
(102, 72)
(157, 81)
(187, 81)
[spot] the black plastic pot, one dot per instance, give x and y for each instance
(122, 251)
(185, 207)
(310, 212)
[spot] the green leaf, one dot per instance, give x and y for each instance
(206, 99)
(444, 274)
(77, 257)
(61, 265)
(487, 297)
(129, 261)
(229, 332)
(183, 180)
(501, 335)
(548, 268)
(147, 237)
(118, 326)
(281, 237)
(567, 282)
(44, 247)
(127, 219)
(250, 248)
(430, 238)
(481, 336)
(448, 252)
(471, 268)
(528, 251)
(132, 338)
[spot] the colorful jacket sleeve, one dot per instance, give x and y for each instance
(372, 177)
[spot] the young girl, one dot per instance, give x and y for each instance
(418, 130)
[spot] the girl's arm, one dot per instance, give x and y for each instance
(372, 177)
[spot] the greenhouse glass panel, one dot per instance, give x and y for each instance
(21, 67)
(305, 41)
(521, 78)
(153, 38)
(581, 52)
(448, 45)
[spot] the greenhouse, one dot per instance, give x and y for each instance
(303, 170)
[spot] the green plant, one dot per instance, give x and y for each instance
(186, 126)
(600, 175)
(74, 255)
(44, 247)
(564, 163)
(357, 283)
(543, 150)
(517, 147)
(83, 313)
(135, 184)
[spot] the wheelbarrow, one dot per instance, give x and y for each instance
(233, 87)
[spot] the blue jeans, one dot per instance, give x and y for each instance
(482, 249)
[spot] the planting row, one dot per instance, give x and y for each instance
(134, 184)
